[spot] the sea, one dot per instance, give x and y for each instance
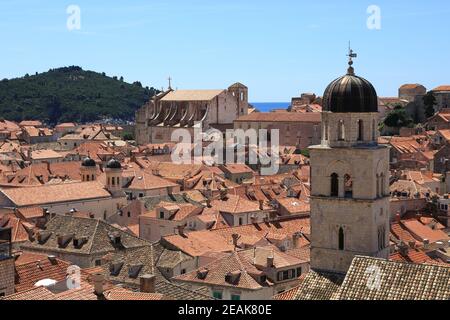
(269, 106)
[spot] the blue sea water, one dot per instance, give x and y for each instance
(268, 106)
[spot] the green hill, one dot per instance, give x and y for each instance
(70, 94)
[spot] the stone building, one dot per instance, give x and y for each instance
(81, 241)
(174, 109)
(295, 128)
(349, 178)
(442, 94)
(411, 92)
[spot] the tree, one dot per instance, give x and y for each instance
(429, 100)
(398, 118)
(128, 136)
(54, 109)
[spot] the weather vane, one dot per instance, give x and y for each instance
(350, 56)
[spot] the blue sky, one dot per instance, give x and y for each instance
(277, 48)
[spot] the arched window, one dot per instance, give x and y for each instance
(360, 130)
(334, 185)
(341, 238)
(348, 186)
(325, 131)
(113, 181)
(341, 130)
(87, 177)
(382, 184)
(93, 178)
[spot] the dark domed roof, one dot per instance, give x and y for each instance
(350, 93)
(88, 162)
(113, 164)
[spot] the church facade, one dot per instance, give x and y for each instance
(349, 178)
(174, 109)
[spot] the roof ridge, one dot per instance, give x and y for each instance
(94, 234)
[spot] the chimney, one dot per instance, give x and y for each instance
(48, 166)
(261, 204)
(52, 259)
(235, 238)
(98, 284)
(180, 229)
(295, 239)
(147, 283)
(270, 261)
(403, 248)
(426, 243)
(224, 194)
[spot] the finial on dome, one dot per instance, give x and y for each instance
(351, 55)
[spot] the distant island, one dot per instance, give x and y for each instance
(71, 94)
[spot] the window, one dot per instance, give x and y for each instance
(341, 239)
(382, 184)
(341, 130)
(334, 185)
(299, 271)
(141, 195)
(2, 294)
(374, 127)
(183, 271)
(129, 214)
(285, 274)
(161, 214)
(98, 262)
(378, 185)
(93, 178)
(348, 186)
(381, 237)
(88, 178)
(113, 181)
(241, 221)
(360, 130)
(217, 295)
(235, 297)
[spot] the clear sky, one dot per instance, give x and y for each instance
(277, 48)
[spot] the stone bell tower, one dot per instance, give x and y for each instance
(349, 178)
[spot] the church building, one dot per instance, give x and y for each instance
(174, 109)
(349, 178)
